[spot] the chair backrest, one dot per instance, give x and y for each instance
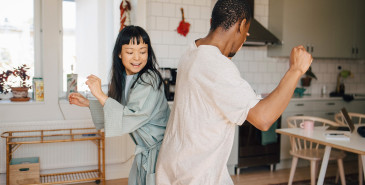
(356, 118)
(295, 121)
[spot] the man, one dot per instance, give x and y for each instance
(211, 99)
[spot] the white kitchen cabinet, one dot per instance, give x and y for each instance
(357, 106)
(348, 27)
(326, 28)
(359, 27)
(318, 107)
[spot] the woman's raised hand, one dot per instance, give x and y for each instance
(78, 99)
(94, 84)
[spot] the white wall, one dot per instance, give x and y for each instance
(163, 18)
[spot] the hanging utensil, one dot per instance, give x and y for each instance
(183, 28)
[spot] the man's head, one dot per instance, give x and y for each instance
(229, 14)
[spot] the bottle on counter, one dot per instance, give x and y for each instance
(323, 91)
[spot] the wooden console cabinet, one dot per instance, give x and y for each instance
(14, 139)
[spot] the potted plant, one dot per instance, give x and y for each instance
(16, 80)
(306, 81)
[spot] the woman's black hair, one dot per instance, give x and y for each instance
(137, 35)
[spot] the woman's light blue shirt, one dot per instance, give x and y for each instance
(144, 115)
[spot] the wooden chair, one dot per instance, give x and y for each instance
(312, 151)
(356, 119)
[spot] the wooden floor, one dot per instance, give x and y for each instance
(263, 176)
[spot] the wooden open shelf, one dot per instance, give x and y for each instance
(14, 139)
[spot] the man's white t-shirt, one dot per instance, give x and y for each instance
(211, 98)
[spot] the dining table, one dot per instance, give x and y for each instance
(355, 144)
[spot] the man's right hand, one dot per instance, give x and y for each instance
(300, 59)
(78, 99)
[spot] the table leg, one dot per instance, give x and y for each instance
(7, 163)
(324, 165)
(363, 163)
(103, 155)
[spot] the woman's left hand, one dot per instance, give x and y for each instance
(94, 84)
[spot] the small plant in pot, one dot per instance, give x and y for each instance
(17, 81)
(306, 81)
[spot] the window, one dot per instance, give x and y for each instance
(88, 39)
(17, 34)
(69, 39)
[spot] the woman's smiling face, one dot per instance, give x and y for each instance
(134, 56)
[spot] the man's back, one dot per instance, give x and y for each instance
(211, 100)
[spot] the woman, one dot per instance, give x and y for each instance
(135, 103)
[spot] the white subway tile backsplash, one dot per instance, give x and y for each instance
(266, 78)
(262, 67)
(261, 89)
(176, 1)
(192, 37)
(323, 67)
(361, 67)
(333, 78)
(205, 13)
(168, 37)
(169, 10)
(249, 77)
(155, 9)
(326, 78)
(354, 68)
(151, 23)
(162, 23)
(281, 67)
(174, 23)
(188, 2)
(199, 25)
(350, 88)
(360, 88)
(180, 39)
(253, 67)
(156, 37)
(271, 67)
(259, 10)
(161, 51)
(276, 77)
(175, 51)
(247, 53)
(194, 12)
(199, 2)
(244, 66)
(238, 56)
(332, 68)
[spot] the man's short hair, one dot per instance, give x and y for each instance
(226, 13)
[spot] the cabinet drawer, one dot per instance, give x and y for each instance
(330, 115)
(300, 106)
(314, 106)
(328, 105)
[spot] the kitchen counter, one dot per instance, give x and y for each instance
(326, 97)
